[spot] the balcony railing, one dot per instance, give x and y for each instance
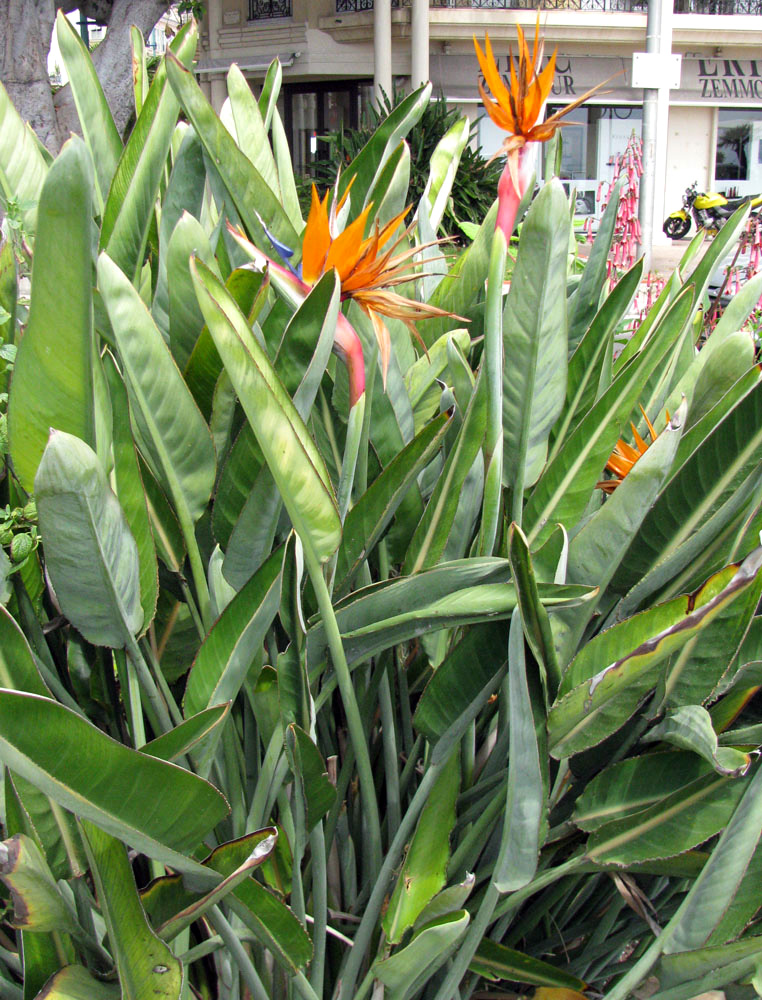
(261, 9)
(636, 6)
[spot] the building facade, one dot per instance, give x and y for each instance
(331, 56)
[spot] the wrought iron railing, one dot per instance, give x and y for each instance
(261, 9)
(637, 6)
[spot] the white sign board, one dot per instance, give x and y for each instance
(651, 70)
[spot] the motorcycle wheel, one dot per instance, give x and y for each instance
(676, 228)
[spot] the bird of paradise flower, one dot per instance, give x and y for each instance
(367, 266)
(515, 108)
(624, 456)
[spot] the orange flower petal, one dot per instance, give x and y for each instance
(317, 240)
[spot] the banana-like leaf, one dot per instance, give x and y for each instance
(309, 768)
(494, 961)
(594, 702)
(131, 495)
(707, 969)
(53, 376)
(251, 195)
(680, 821)
(55, 829)
(95, 117)
(250, 128)
(140, 81)
(38, 904)
(447, 901)
(228, 652)
(583, 304)
(22, 165)
(564, 488)
(185, 319)
(526, 803)
(402, 972)
(690, 727)
(273, 924)
(18, 670)
(635, 784)
(170, 431)
(90, 553)
(534, 617)
(293, 459)
(131, 198)
(54, 749)
(145, 964)
(443, 167)
(74, 982)
(423, 872)
(535, 339)
(178, 741)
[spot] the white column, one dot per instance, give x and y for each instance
(419, 43)
(662, 129)
(382, 49)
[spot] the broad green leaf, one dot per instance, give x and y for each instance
(55, 829)
(185, 319)
(146, 966)
(74, 982)
(171, 433)
(705, 479)
(270, 92)
(595, 701)
(140, 81)
(131, 495)
(635, 784)
(535, 338)
(449, 899)
(717, 249)
(526, 806)
(178, 741)
(90, 553)
(534, 617)
(714, 967)
(294, 461)
(131, 198)
(725, 366)
(273, 923)
(22, 164)
(690, 727)
(95, 117)
(737, 311)
(564, 489)
(704, 906)
(422, 377)
(54, 748)
(319, 794)
(680, 821)
(367, 166)
(250, 128)
(372, 513)
(495, 961)
(253, 198)
(430, 539)
(443, 167)
(38, 904)
(583, 305)
(285, 164)
(423, 872)
(229, 651)
(404, 971)
(18, 669)
(53, 376)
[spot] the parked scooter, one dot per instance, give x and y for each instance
(710, 210)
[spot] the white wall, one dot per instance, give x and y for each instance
(689, 152)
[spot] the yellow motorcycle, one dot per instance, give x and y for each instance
(710, 210)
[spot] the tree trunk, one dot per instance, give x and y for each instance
(24, 45)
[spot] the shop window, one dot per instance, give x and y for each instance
(312, 110)
(739, 137)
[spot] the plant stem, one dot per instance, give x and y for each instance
(319, 907)
(156, 708)
(389, 737)
(471, 942)
(493, 369)
(354, 722)
(238, 953)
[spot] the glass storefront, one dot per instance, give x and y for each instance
(314, 109)
(738, 160)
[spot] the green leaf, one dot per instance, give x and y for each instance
(229, 651)
(252, 196)
(132, 196)
(273, 924)
(372, 513)
(140, 81)
(146, 966)
(423, 873)
(130, 493)
(690, 727)
(250, 128)
(449, 899)
(595, 701)
(54, 748)
(53, 376)
(185, 319)
(713, 967)
(38, 904)
(495, 961)
(22, 164)
(18, 670)
(8, 294)
(90, 554)
(178, 741)
(319, 794)
(74, 982)
(526, 806)
(293, 459)
(95, 117)
(443, 167)
(270, 92)
(584, 302)
(535, 338)
(170, 431)
(682, 820)
(55, 830)
(635, 784)
(564, 489)
(404, 971)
